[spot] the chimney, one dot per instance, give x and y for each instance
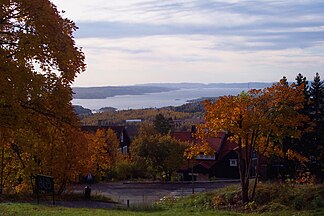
(193, 129)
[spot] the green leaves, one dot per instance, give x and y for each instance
(161, 153)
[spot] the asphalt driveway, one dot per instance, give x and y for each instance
(136, 193)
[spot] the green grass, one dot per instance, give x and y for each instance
(48, 197)
(271, 200)
(17, 209)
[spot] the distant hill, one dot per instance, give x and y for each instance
(111, 91)
(249, 85)
(81, 111)
(256, 85)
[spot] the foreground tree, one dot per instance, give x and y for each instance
(257, 121)
(38, 63)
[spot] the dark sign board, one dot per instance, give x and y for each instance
(44, 183)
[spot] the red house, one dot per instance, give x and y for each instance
(222, 164)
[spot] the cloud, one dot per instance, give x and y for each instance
(137, 41)
(264, 24)
(259, 37)
(194, 57)
(151, 12)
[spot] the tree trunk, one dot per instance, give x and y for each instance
(245, 192)
(2, 169)
(256, 178)
(244, 181)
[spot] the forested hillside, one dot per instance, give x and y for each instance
(120, 117)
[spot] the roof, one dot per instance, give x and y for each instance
(205, 164)
(219, 144)
(183, 136)
(215, 143)
(93, 129)
(226, 148)
(117, 129)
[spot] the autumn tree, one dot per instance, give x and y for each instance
(120, 116)
(162, 155)
(257, 121)
(105, 152)
(38, 63)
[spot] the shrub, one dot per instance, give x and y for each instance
(292, 196)
(299, 203)
(317, 202)
(269, 197)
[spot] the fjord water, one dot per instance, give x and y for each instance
(155, 100)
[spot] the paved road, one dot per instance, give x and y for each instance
(148, 193)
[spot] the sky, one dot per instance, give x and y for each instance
(202, 41)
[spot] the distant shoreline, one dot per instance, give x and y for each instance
(112, 91)
(156, 100)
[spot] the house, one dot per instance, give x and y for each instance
(222, 164)
(120, 132)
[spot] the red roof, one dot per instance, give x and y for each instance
(226, 148)
(207, 164)
(219, 144)
(183, 136)
(215, 142)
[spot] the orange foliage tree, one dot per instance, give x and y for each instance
(257, 121)
(38, 62)
(105, 152)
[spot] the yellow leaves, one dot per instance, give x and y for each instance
(200, 145)
(104, 150)
(38, 61)
(23, 188)
(195, 149)
(292, 155)
(52, 151)
(254, 116)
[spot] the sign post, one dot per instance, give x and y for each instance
(45, 183)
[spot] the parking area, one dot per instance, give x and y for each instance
(148, 192)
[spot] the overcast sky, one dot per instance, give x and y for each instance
(209, 41)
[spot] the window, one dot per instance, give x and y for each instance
(125, 150)
(122, 137)
(205, 157)
(233, 162)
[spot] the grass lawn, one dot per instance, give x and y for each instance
(16, 209)
(271, 199)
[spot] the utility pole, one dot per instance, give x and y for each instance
(192, 178)
(2, 168)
